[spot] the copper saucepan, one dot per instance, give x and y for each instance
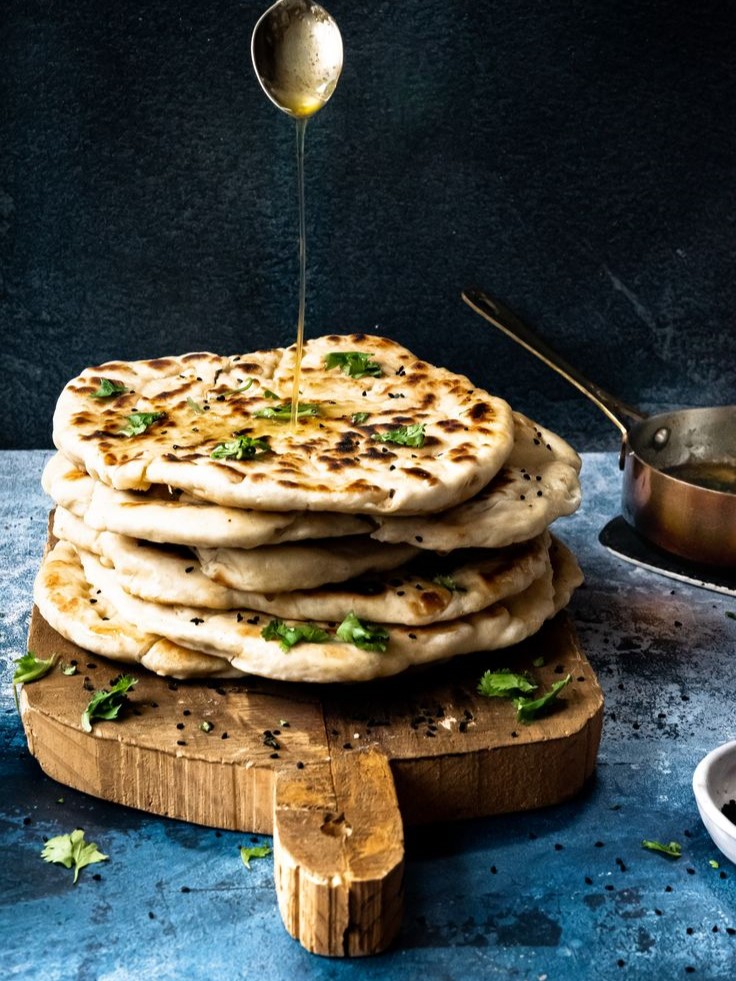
(679, 484)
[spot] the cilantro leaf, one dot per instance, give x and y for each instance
(241, 448)
(504, 684)
(68, 669)
(255, 851)
(290, 635)
(68, 850)
(528, 709)
(403, 436)
(731, 615)
(447, 582)
(138, 422)
(107, 704)
(195, 406)
(235, 391)
(268, 394)
(31, 668)
(353, 363)
(283, 411)
(109, 389)
(672, 850)
(367, 636)
(358, 418)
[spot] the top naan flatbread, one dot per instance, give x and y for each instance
(330, 462)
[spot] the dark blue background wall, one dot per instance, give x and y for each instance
(575, 157)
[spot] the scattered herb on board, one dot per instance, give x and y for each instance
(106, 705)
(289, 635)
(671, 850)
(403, 435)
(713, 864)
(504, 684)
(731, 615)
(353, 363)
(268, 394)
(195, 406)
(109, 389)
(236, 391)
(31, 668)
(283, 412)
(528, 709)
(72, 850)
(68, 669)
(255, 851)
(358, 418)
(538, 662)
(206, 726)
(241, 448)
(367, 636)
(447, 582)
(138, 422)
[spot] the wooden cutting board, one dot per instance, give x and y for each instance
(333, 772)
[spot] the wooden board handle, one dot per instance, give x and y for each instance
(338, 846)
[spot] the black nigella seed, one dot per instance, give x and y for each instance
(494, 870)
(97, 877)
(599, 844)
(223, 736)
(181, 742)
(558, 847)
(185, 889)
(179, 725)
(186, 712)
(299, 765)
(588, 881)
(27, 821)
(274, 756)
(347, 745)
(189, 568)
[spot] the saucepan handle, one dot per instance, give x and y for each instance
(506, 320)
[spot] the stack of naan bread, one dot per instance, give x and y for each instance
(402, 520)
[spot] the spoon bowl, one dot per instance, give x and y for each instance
(297, 55)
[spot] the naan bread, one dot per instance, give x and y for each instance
(328, 463)
(236, 636)
(281, 568)
(157, 515)
(84, 616)
(410, 595)
(537, 484)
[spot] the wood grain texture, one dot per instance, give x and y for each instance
(332, 772)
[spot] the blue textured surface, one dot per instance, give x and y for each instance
(565, 893)
(576, 158)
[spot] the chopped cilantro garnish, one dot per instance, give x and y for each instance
(731, 615)
(255, 851)
(195, 406)
(68, 850)
(243, 388)
(504, 684)
(206, 726)
(283, 411)
(358, 418)
(672, 850)
(713, 863)
(538, 662)
(367, 636)
(107, 704)
(138, 422)
(291, 634)
(109, 389)
(268, 394)
(31, 668)
(353, 363)
(241, 448)
(403, 436)
(528, 709)
(68, 669)
(447, 582)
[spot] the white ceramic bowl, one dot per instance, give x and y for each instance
(714, 784)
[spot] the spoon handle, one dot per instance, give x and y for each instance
(498, 314)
